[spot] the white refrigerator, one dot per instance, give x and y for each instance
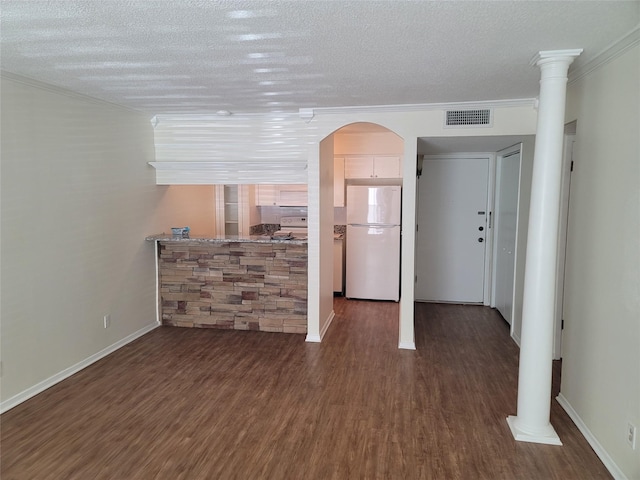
(373, 242)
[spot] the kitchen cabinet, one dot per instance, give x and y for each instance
(292, 195)
(387, 167)
(358, 167)
(372, 166)
(338, 265)
(338, 182)
(234, 205)
(282, 195)
(296, 195)
(266, 195)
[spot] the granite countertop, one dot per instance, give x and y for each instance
(167, 237)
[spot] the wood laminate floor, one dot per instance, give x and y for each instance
(223, 404)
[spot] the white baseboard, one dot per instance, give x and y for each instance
(327, 324)
(318, 338)
(67, 372)
(407, 345)
(614, 470)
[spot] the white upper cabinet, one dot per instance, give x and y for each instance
(293, 195)
(387, 167)
(282, 195)
(372, 166)
(358, 167)
(296, 195)
(266, 195)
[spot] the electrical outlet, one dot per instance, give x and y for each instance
(107, 320)
(631, 435)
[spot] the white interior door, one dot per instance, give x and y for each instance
(452, 227)
(505, 228)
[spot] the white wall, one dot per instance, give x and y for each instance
(77, 200)
(372, 143)
(601, 353)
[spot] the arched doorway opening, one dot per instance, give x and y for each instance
(359, 156)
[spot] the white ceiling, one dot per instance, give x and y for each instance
(187, 56)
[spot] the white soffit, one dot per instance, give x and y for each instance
(252, 56)
(468, 144)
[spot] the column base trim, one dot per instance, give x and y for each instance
(407, 345)
(550, 437)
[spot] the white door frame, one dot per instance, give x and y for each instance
(565, 187)
(506, 152)
(488, 256)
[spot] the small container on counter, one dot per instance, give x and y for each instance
(180, 232)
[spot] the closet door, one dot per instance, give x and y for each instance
(508, 178)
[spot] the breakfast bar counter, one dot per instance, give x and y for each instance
(164, 237)
(242, 283)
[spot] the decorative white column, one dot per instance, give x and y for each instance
(534, 381)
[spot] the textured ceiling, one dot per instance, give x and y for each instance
(187, 56)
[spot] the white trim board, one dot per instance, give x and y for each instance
(410, 107)
(67, 372)
(318, 338)
(602, 454)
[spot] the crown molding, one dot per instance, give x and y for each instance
(306, 114)
(613, 51)
(412, 107)
(31, 82)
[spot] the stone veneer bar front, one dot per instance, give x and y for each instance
(242, 285)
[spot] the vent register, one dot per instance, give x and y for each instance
(468, 118)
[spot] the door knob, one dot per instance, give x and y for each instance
(481, 239)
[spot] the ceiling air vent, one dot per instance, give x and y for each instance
(468, 118)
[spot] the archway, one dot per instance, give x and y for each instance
(356, 154)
